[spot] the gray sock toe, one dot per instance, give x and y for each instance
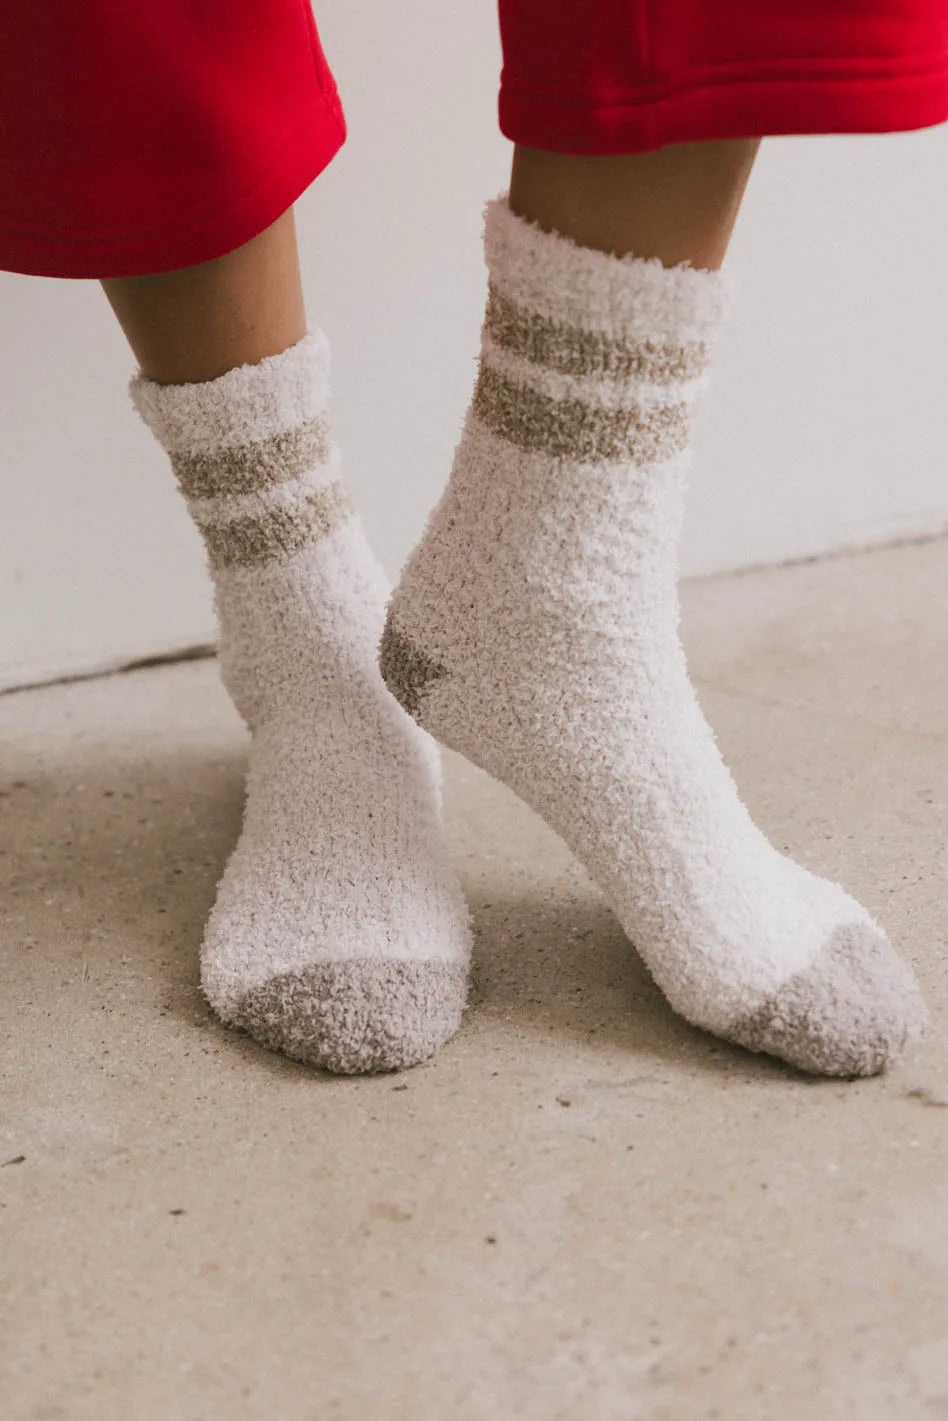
(853, 1012)
(352, 1017)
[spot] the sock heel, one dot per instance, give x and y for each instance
(408, 669)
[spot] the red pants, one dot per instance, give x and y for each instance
(145, 137)
(621, 76)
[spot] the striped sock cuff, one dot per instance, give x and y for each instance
(572, 350)
(578, 430)
(243, 406)
(253, 453)
(627, 299)
(277, 530)
(589, 357)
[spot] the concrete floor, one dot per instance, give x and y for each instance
(582, 1209)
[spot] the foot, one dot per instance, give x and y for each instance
(535, 630)
(339, 935)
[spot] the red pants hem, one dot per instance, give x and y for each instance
(189, 237)
(727, 105)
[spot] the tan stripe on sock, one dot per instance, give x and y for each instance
(245, 541)
(572, 429)
(572, 351)
(406, 669)
(244, 468)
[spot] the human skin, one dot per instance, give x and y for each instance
(201, 321)
(679, 204)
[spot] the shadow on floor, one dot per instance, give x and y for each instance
(558, 963)
(125, 854)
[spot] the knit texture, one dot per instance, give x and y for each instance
(535, 630)
(339, 934)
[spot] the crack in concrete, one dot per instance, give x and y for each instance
(762, 698)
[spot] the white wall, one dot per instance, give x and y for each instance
(825, 428)
(828, 424)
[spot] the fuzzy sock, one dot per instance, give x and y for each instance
(535, 630)
(339, 934)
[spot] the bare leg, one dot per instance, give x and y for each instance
(678, 204)
(197, 323)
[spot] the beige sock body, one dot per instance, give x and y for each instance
(535, 630)
(339, 934)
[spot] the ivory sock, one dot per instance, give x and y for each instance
(535, 630)
(339, 934)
